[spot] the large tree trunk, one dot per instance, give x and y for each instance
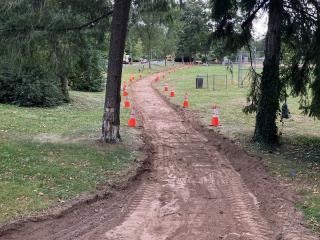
(266, 130)
(111, 116)
(149, 51)
(64, 83)
(64, 88)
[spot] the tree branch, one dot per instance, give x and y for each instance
(253, 14)
(89, 24)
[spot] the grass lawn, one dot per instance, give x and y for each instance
(297, 161)
(49, 155)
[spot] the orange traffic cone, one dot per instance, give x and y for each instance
(132, 120)
(172, 93)
(127, 103)
(166, 87)
(131, 77)
(186, 101)
(215, 116)
(124, 86)
(125, 93)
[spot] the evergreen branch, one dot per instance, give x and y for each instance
(253, 14)
(302, 14)
(89, 24)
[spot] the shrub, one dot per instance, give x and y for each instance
(31, 85)
(87, 74)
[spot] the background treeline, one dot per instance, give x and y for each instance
(50, 46)
(184, 31)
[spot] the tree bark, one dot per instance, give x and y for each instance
(149, 50)
(111, 116)
(64, 88)
(266, 130)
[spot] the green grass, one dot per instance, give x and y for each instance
(311, 208)
(37, 175)
(49, 155)
(299, 152)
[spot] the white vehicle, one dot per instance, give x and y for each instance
(126, 58)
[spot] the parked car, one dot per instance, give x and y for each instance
(169, 58)
(125, 59)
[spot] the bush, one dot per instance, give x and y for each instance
(32, 85)
(87, 74)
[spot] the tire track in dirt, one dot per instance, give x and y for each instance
(197, 194)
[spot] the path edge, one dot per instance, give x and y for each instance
(125, 180)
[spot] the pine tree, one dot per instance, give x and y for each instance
(43, 37)
(293, 28)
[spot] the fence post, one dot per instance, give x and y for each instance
(226, 81)
(232, 73)
(239, 72)
(213, 81)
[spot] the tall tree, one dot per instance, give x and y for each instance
(266, 128)
(111, 116)
(150, 18)
(194, 33)
(292, 23)
(169, 36)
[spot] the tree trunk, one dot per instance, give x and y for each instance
(64, 83)
(64, 87)
(111, 116)
(149, 50)
(266, 130)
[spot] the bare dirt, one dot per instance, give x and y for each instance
(201, 186)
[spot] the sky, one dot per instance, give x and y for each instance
(260, 25)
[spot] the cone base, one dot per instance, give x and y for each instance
(127, 104)
(132, 122)
(185, 104)
(215, 121)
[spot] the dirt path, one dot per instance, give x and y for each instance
(192, 193)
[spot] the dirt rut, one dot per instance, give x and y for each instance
(192, 193)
